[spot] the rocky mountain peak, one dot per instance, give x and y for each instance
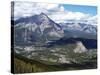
(38, 28)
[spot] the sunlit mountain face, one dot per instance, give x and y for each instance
(58, 36)
(37, 29)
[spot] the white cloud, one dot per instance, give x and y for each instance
(64, 16)
(56, 12)
(23, 9)
(93, 20)
(49, 6)
(62, 8)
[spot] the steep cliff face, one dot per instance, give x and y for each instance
(37, 29)
(80, 48)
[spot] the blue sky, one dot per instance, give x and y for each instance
(81, 8)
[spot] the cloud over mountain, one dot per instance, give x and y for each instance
(56, 12)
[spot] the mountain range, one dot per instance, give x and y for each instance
(38, 37)
(40, 29)
(83, 27)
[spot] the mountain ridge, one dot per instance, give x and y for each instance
(38, 28)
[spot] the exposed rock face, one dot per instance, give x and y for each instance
(37, 29)
(80, 48)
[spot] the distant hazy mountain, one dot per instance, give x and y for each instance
(85, 27)
(37, 29)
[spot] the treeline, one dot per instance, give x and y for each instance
(25, 65)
